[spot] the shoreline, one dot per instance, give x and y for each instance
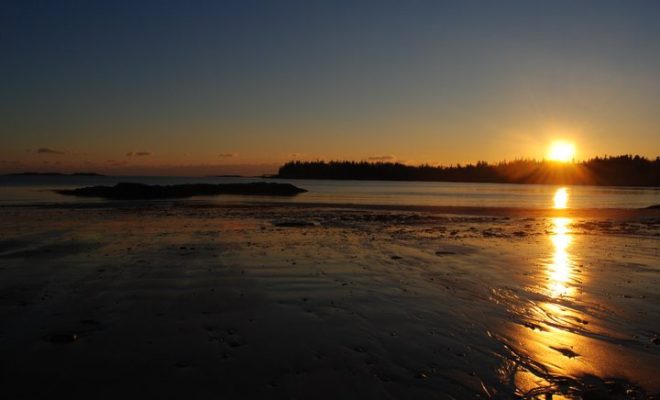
(577, 184)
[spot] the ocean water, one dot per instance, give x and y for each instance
(15, 190)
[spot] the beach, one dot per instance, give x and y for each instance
(198, 299)
(330, 200)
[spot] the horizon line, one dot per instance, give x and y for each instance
(151, 170)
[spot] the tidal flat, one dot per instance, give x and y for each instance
(196, 300)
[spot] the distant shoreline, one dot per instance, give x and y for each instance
(53, 174)
(632, 171)
(448, 181)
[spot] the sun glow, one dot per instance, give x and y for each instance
(561, 151)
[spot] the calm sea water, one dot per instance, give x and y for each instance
(38, 189)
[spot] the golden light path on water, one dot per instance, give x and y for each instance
(565, 334)
(560, 270)
(560, 337)
(552, 345)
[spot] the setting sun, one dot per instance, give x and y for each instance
(561, 151)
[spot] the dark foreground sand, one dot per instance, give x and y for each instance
(184, 300)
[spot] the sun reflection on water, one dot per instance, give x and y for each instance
(550, 343)
(560, 269)
(561, 198)
(565, 340)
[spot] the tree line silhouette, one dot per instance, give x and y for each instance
(625, 170)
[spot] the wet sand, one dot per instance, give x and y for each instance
(195, 300)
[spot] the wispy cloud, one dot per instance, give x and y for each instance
(46, 150)
(138, 153)
(227, 155)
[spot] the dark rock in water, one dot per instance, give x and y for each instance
(139, 191)
(654, 207)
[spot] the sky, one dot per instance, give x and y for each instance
(204, 87)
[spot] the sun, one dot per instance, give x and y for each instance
(561, 151)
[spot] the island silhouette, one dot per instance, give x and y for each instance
(139, 191)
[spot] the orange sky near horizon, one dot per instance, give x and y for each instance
(164, 161)
(215, 158)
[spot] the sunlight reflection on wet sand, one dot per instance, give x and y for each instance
(560, 270)
(552, 344)
(563, 336)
